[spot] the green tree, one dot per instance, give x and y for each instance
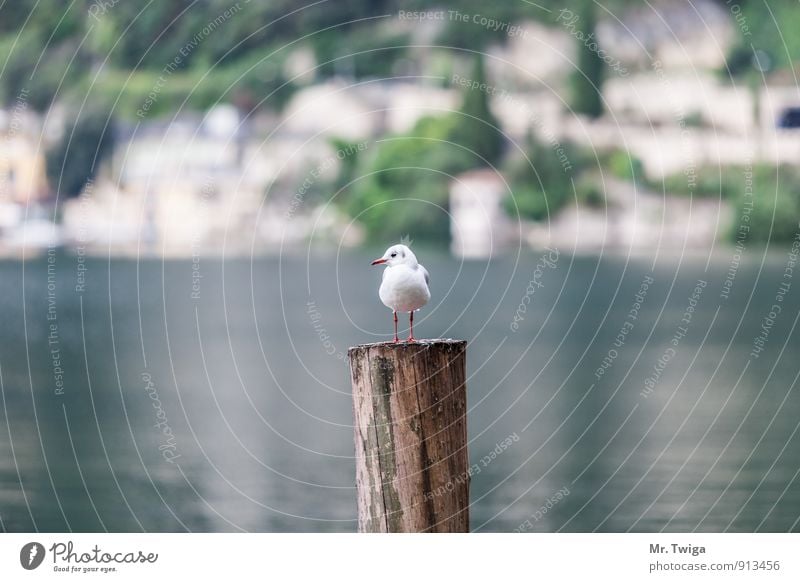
(477, 129)
(767, 31)
(405, 184)
(774, 205)
(541, 183)
(587, 81)
(75, 159)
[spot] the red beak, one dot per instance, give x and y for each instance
(378, 261)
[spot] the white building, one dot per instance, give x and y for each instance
(635, 220)
(479, 226)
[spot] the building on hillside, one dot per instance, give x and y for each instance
(479, 226)
(22, 163)
(202, 184)
(634, 220)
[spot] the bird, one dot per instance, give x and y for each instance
(404, 286)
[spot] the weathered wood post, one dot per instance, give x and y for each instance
(410, 407)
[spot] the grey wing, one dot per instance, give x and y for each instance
(427, 277)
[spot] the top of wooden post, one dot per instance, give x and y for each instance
(420, 343)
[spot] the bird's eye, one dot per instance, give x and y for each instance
(393, 255)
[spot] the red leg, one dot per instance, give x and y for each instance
(396, 339)
(411, 333)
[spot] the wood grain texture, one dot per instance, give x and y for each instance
(410, 407)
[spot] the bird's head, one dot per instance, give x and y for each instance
(397, 255)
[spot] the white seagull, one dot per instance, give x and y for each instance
(405, 284)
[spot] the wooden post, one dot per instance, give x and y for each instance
(410, 407)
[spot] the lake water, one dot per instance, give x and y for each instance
(214, 396)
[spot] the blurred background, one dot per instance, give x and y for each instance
(606, 194)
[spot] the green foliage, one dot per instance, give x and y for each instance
(694, 119)
(773, 208)
(589, 192)
(75, 159)
(44, 18)
(130, 38)
(543, 185)
(764, 26)
(348, 164)
(739, 61)
(125, 37)
(360, 56)
(406, 185)
(242, 82)
(404, 189)
(534, 203)
(587, 81)
(704, 182)
(466, 33)
(149, 38)
(624, 166)
(228, 40)
(38, 73)
(775, 216)
(250, 79)
(477, 129)
(466, 28)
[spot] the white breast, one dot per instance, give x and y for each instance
(404, 288)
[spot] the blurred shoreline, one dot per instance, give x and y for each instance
(722, 252)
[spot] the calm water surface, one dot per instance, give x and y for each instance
(170, 397)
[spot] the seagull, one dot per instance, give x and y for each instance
(405, 284)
